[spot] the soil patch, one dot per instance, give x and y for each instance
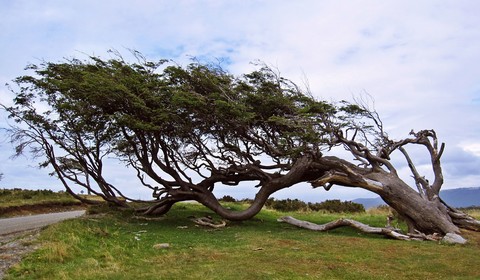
(41, 208)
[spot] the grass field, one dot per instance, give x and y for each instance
(116, 245)
(19, 197)
(14, 202)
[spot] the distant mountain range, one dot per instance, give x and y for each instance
(461, 197)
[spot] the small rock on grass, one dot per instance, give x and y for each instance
(452, 238)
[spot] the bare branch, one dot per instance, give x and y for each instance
(345, 222)
(420, 181)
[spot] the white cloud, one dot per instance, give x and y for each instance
(473, 148)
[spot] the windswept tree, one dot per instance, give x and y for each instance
(186, 130)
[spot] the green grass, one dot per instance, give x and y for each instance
(118, 246)
(19, 197)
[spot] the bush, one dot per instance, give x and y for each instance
(227, 198)
(337, 206)
(334, 206)
(246, 201)
(287, 205)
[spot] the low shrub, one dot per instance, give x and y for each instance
(227, 198)
(333, 206)
(287, 205)
(246, 201)
(337, 206)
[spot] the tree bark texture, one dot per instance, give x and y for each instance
(386, 231)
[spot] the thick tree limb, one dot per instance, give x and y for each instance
(345, 175)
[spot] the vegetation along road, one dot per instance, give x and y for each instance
(17, 224)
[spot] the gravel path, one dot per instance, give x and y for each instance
(14, 246)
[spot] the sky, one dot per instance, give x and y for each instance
(419, 60)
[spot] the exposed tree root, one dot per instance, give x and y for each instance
(463, 220)
(387, 231)
(207, 221)
(149, 218)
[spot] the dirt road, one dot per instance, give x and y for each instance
(18, 224)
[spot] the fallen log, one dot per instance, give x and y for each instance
(386, 231)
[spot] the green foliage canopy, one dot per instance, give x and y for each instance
(183, 128)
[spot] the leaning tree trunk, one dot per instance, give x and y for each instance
(427, 215)
(420, 213)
